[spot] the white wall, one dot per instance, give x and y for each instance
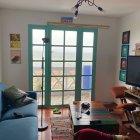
(130, 22)
(16, 21)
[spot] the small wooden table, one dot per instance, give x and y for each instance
(97, 112)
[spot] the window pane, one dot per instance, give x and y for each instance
(69, 97)
(56, 98)
(38, 35)
(57, 53)
(86, 68)
(56, 83)
(86, 95)
(37, 68)
(69, 83)
(57, 37)
(71, 38)
(87, 54)
(70, 53)
(37, 83)
(70, 68)
(86, 82)
(57, 69)
(88, 38)
(37, 52)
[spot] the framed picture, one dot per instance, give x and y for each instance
(125, 50)
(126, 37)
(123, 63)
(15, 41)
(122, 76)
(15, 56)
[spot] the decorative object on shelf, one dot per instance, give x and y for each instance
(122, 76)
(125, 50)
(137, 49)
(123, 63)
(126, 37)
(66, 19)
(137, 46)
(43, 126)
(90, 3)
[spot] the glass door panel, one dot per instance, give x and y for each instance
(69, 97)
(88, 39)
(70, 68)
(70, 53)
(57, 37)
(63, 64)
(70, 63)
(70, 38)
(56, 98)
(37, 54)
(87, 64)
(87, 54)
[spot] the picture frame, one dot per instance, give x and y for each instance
(15, 56)
(124, 50)
(15, 41)
(125, 37)
(122, 76)
(123, 64)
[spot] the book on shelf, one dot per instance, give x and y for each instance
(136, 118)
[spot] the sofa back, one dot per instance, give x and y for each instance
(2, 87)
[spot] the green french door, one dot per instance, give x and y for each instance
(70, 63)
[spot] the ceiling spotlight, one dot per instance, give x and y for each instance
(80, 2)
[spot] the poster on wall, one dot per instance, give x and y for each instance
(122, 76)
(125, 50)
(15, 56)
(15, 41)
(126, 37)
(123, 63)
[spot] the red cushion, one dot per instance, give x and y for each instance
(91, 134)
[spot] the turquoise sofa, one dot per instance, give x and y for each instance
(18, 128)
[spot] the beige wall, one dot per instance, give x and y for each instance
(16, 21)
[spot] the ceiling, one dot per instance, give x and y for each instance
(112, 8)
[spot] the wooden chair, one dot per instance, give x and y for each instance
(119, 93)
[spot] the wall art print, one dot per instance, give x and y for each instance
(15, 56)
(125, 50)
(126, 37)
(123, 64)
(15, 41)
(122, 76)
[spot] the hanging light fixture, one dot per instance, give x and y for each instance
(90, 3)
